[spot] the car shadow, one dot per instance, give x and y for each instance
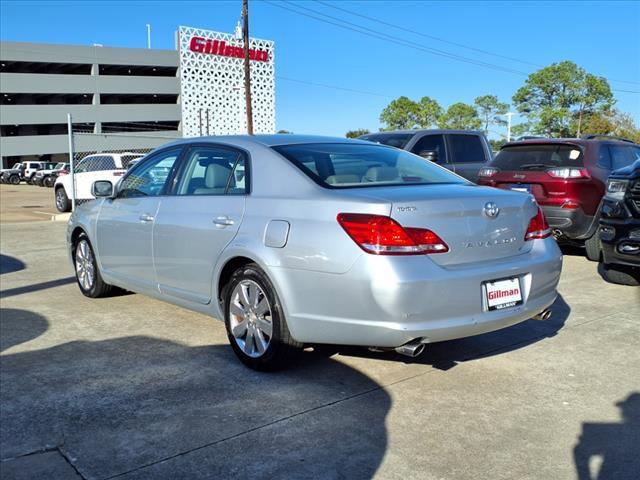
(572, 250)
(10, 264)
(446, 355)
(614, 446)
(155, 408)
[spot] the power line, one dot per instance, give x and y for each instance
(440, 39)
(399, 41)
(390, 38)
(334, 87)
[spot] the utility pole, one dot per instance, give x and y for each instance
(148, 35)
(247, 67)
(509, 115)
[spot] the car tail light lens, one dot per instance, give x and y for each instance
(568, 172)
(118, 173)
(570, 205)
(63, 172)
(382, 235)
(538, 227)
(487, 172)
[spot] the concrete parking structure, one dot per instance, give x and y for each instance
(129, 387)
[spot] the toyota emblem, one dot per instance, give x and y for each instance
(491, 210)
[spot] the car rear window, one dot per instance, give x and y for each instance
(126, 159)
(538, 157)
(352, 165)
(398, 140)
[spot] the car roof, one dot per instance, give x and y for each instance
(571, 141)
(266, 140)
(428, 130)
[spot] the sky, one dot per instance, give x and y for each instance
(602, 37)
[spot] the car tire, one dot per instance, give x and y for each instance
(593, 247)
(255, 322)
(48, 182)
(14, 179)
(62, 201)
(87, 272)
(619, 276)
(30, 179)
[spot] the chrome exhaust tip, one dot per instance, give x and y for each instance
(411, 349)
(544, 315)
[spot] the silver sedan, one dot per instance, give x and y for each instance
(298, 240)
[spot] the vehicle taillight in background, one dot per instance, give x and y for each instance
(568, 172)
(382, 235)
(487, 172)
(119, 173)
(538, 227)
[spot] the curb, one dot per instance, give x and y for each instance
(61, 217)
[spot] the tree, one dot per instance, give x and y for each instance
(402, 113)
(556, 98)
(460, 116)
(357, 133)
(490, 109)
(612, 122)
(284, 131)
(428, 113)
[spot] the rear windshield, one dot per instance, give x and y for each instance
(538, 157)
(127, 159)
(398, 140)
(345, 165)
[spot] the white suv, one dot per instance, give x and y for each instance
(99, 166)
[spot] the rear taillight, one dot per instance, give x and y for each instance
(487, 172)
(382, 235)
(119, 173)
(568, 172)
(63, 172)
(538, 227)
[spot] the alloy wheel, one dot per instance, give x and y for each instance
(85, 269)
(60, 202)
(250, 318)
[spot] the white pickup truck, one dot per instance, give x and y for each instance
(99, 166)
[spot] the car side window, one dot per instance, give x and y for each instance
(604, 159)
(431, 143)
(466, 149)
(150, 177)
(214, 171)
(623, 155)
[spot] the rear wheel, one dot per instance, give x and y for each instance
(87, 272)
(619, 276)
(14, 179)
(62, 201)
(593, 247)
(48, 181)
(255, 322)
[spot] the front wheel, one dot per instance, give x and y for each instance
(48, 181)
(14, 179)
(62, 201)
(255, 322)
(593, 247)
(87, 272)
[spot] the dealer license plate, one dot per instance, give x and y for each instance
(519, 187)
(503, 293)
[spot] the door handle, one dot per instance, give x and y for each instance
(223, 221)
(146, 218)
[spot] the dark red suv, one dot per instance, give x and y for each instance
(567, 177)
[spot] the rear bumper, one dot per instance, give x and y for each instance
(573, 223)
(387, 301)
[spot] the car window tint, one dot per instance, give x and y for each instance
(538, 157)
(149, 177)
(350, 165)
(466, 149)
(398, 140)
(604, 159)
(212, 171)
(623, 155)
(431, 143)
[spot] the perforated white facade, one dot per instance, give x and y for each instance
(212, 83)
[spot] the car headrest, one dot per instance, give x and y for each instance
(338, 179)
(381, 174)
(216, 176)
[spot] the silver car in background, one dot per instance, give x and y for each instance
(297, 240)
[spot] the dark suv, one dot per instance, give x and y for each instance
(566, 176)
(620, 227)
(461, 151)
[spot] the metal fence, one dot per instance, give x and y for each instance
(103, 156)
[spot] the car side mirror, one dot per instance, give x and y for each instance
(102, 189)
(431, 155)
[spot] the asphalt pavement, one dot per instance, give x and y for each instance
(130, 387)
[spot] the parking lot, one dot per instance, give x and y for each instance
(130, 387)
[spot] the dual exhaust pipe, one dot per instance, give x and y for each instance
(416, 347)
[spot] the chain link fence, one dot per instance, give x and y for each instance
(103, 156)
